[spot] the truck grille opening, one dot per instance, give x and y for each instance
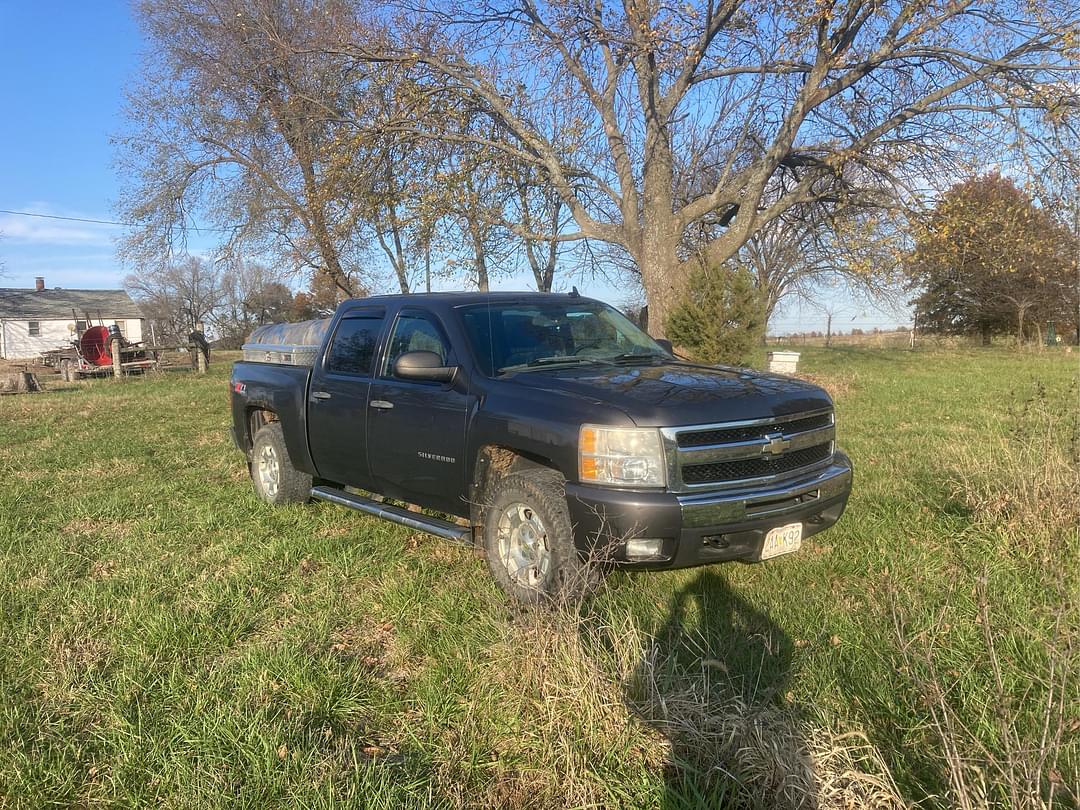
(717, 472)
(704, 438)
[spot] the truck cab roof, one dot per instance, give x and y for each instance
(463, 297)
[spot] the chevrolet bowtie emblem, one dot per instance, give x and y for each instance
(776, 445)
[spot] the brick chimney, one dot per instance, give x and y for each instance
(39, 283)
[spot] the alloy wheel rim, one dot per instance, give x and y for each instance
(523, 545)
(269, 471)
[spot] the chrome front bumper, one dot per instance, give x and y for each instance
(796, 495)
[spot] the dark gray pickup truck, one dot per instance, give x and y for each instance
(556, 431)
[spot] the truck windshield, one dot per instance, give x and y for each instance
(517, 336)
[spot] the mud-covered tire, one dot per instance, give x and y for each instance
(274, 477)
(528, 539)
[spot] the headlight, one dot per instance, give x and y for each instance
(627, 456)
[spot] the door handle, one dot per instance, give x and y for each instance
(319, 395)
(381, 404)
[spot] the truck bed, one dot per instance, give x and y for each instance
(278, 388)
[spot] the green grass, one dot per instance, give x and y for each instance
(167, 639)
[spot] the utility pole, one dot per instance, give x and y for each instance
(828, 329)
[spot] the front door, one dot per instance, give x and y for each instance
(416, 430)
(338, 398)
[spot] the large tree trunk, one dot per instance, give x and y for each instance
(655, 242)
(664, 277)
(665, 282)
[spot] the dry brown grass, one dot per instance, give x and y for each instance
(1030, 494)
(595, 693)
(838, 385)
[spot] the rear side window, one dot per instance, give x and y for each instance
(353, 349)
(414, 332)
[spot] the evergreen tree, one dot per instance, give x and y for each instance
(722, 318)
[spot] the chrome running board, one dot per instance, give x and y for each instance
(414, 520)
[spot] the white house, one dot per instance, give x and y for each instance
(35, 321)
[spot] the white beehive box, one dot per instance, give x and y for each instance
(783, 362)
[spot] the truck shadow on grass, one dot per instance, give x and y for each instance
(712, 682)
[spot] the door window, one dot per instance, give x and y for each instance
(353, 349)
(414, 332)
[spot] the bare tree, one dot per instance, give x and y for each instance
(811, 247)
(539, 211)
(235, 122)
(769, 100)
(178, 295)
(253, 294)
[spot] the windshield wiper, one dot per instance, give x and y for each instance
(556, 360)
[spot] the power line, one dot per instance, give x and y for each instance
(66, 219)
(95, 221)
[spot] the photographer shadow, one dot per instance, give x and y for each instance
(712, 682)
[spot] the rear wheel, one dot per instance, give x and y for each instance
(272, 473)
(529, 541)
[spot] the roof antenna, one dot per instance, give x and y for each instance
(574, 293)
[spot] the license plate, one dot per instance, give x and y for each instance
(782, 540)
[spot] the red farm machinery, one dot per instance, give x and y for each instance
(91, 354)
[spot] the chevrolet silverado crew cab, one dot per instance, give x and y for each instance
(545, 428)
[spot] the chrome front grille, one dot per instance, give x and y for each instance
(739, 453)
(745, 432)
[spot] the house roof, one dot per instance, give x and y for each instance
(58, 304)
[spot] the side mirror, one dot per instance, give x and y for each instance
(665, 344)
(426, 366)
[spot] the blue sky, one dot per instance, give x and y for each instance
(63, 70)
(63, 67)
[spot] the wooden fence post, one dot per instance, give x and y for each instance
(201, 359)
(116, 368)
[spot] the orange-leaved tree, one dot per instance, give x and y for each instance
(990, 261)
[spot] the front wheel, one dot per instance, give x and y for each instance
(274, 477)
(529, 541)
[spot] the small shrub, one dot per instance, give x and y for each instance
(722, 319)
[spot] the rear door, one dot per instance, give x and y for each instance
(338, 397)
(417, 429)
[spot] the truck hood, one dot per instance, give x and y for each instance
(676, 393)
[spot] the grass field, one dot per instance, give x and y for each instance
(168, 640)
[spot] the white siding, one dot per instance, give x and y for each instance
(16, 343)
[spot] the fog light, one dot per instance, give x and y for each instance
(644, 548)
